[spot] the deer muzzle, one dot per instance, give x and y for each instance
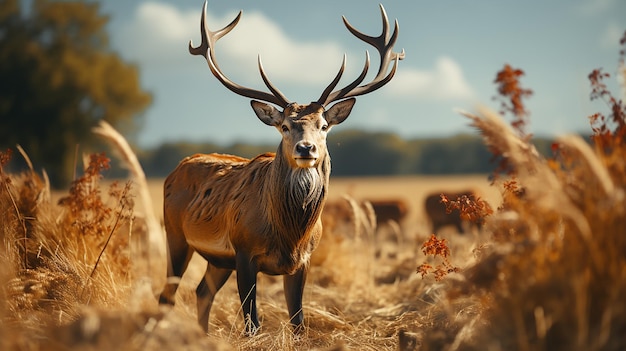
(305, 154)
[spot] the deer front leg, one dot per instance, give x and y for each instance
(294, 288)
(246, 285)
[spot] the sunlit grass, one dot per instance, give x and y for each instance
(547, 270)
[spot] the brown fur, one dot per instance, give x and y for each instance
(219, 205)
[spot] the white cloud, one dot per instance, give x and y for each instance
(612, 35)
(164, 21)
(159, 33)
(444, 82)
(284, 58)
(594, 7)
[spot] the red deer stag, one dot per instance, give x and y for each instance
(263, 214)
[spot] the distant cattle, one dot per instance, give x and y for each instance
(385, 210)
(437, 214)
(389, 210)
(359, 216)
(337, 211)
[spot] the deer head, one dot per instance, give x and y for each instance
(304, 127)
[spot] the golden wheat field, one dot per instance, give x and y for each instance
(546, 271)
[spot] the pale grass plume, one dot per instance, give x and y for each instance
(554, 277)
(156, 236)
(594, 170)
(540, 183)
(363, 217)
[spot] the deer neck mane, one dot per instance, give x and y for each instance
(294, 204)
(299, 192)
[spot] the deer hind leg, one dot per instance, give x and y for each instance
(294, 288)
(214, 279)
(179, 255)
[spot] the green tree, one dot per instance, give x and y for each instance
(364, 153)
(58, 78)
(460, 154)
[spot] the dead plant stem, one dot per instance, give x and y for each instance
(106, 244)
(22, 222)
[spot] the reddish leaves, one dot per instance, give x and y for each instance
(471, 207)
(5, 157)
(88, 210)
(607, 132)
(512, 95)
(437, 248)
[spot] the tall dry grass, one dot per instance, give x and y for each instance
(554, 277)
(75, 272)
(50, 252)
(546, 272)
(553, 274)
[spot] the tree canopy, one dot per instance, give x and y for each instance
(58, 78)
(362, 153)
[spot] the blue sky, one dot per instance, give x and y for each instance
(453, 51)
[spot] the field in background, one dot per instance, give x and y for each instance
(412, 189)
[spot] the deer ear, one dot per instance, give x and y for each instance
(268, 114)
(338, 112)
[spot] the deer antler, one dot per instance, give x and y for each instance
(206, 49)
(384, 44)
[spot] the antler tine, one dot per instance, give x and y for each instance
(384, 45)
(271, 87)
(324, 99)
(206, 49)
(208, 37)
(334, 83)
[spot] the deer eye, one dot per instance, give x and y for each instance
(285, 128)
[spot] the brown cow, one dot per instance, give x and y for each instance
(437, 214)
(389, 210)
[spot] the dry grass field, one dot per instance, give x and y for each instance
(360, 289)
(546, 271)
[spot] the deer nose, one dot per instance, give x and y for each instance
(305, 149)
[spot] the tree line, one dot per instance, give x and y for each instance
(360, 153)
